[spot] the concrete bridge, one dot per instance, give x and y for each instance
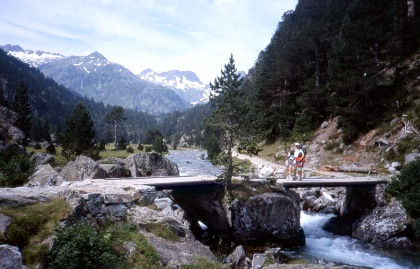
(360, 191)
(166, 182)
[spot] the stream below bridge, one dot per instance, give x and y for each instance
(320, 244)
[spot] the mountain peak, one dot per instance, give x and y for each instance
(9, 48)
(96, 54)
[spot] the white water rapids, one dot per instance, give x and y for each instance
(320, 244)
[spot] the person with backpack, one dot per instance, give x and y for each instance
(299, 163)
(290, 164)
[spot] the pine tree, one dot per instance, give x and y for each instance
(46, 131)
(3, 101)
(159, 145)
(115, 117)
(21, 106)
(79, 136)
(226, 99)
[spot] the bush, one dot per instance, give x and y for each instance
(406, 187)
(81, 246)
(101, 145)
(16, 170)
(122, 144)
(37, 146)
(130, 150)
(147, 148)
(140, 147)
(51, 149)
(159, 146)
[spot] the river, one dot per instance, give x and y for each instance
(320, 244)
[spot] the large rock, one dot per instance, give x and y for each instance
(112, 160)
(42, 158)
(10, 257)
(269, 217)
(237, 257)
(82, 168)
(9, 134)
(44, 175)
(115, 170)
(383, 224)
(150, 164)
(183, 251)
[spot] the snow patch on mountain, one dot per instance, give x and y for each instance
(33, 58)
(184, 83)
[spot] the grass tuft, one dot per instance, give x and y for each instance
(161, 230)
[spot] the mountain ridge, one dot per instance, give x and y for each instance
(94, 76)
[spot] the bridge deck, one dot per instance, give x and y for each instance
(182, 181)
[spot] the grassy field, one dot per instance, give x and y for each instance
(60, 160)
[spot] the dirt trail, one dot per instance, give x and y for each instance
(257, 161)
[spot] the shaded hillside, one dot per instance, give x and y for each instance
(333, 58)
(54, 102)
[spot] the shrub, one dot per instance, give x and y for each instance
(332, 145)
(122, 144)
(51, 149)
(16, 170)
(140, 147)
(406, 187)
(147, 148)
(37, 146)
(130, 150)
(101, 145)
(81, 246)
(159, 145)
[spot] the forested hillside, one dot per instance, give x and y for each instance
(52, 102)
(334, 58)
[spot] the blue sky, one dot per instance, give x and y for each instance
(196, 35)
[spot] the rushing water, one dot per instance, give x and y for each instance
(324, 245)
(320, 244)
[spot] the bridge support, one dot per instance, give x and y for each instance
(359, 199)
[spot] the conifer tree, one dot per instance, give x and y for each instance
(226, 99)
(22, 108)
(115, 117)
(159, 145)
(79, 136)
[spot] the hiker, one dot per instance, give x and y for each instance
(290, 163)
(299, 163)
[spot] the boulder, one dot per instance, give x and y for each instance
(115, 170)
(324, 125)
(265, 172)
(268, 218)
(7, 117)
(15, 134)
(112, 160)
(10, 257)
(44, 175)
(4, 223)
(42, 158)
(82, 168)
(237, 257)
(383, 224)
(150, 164)
(185, 250)
(411, 157)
